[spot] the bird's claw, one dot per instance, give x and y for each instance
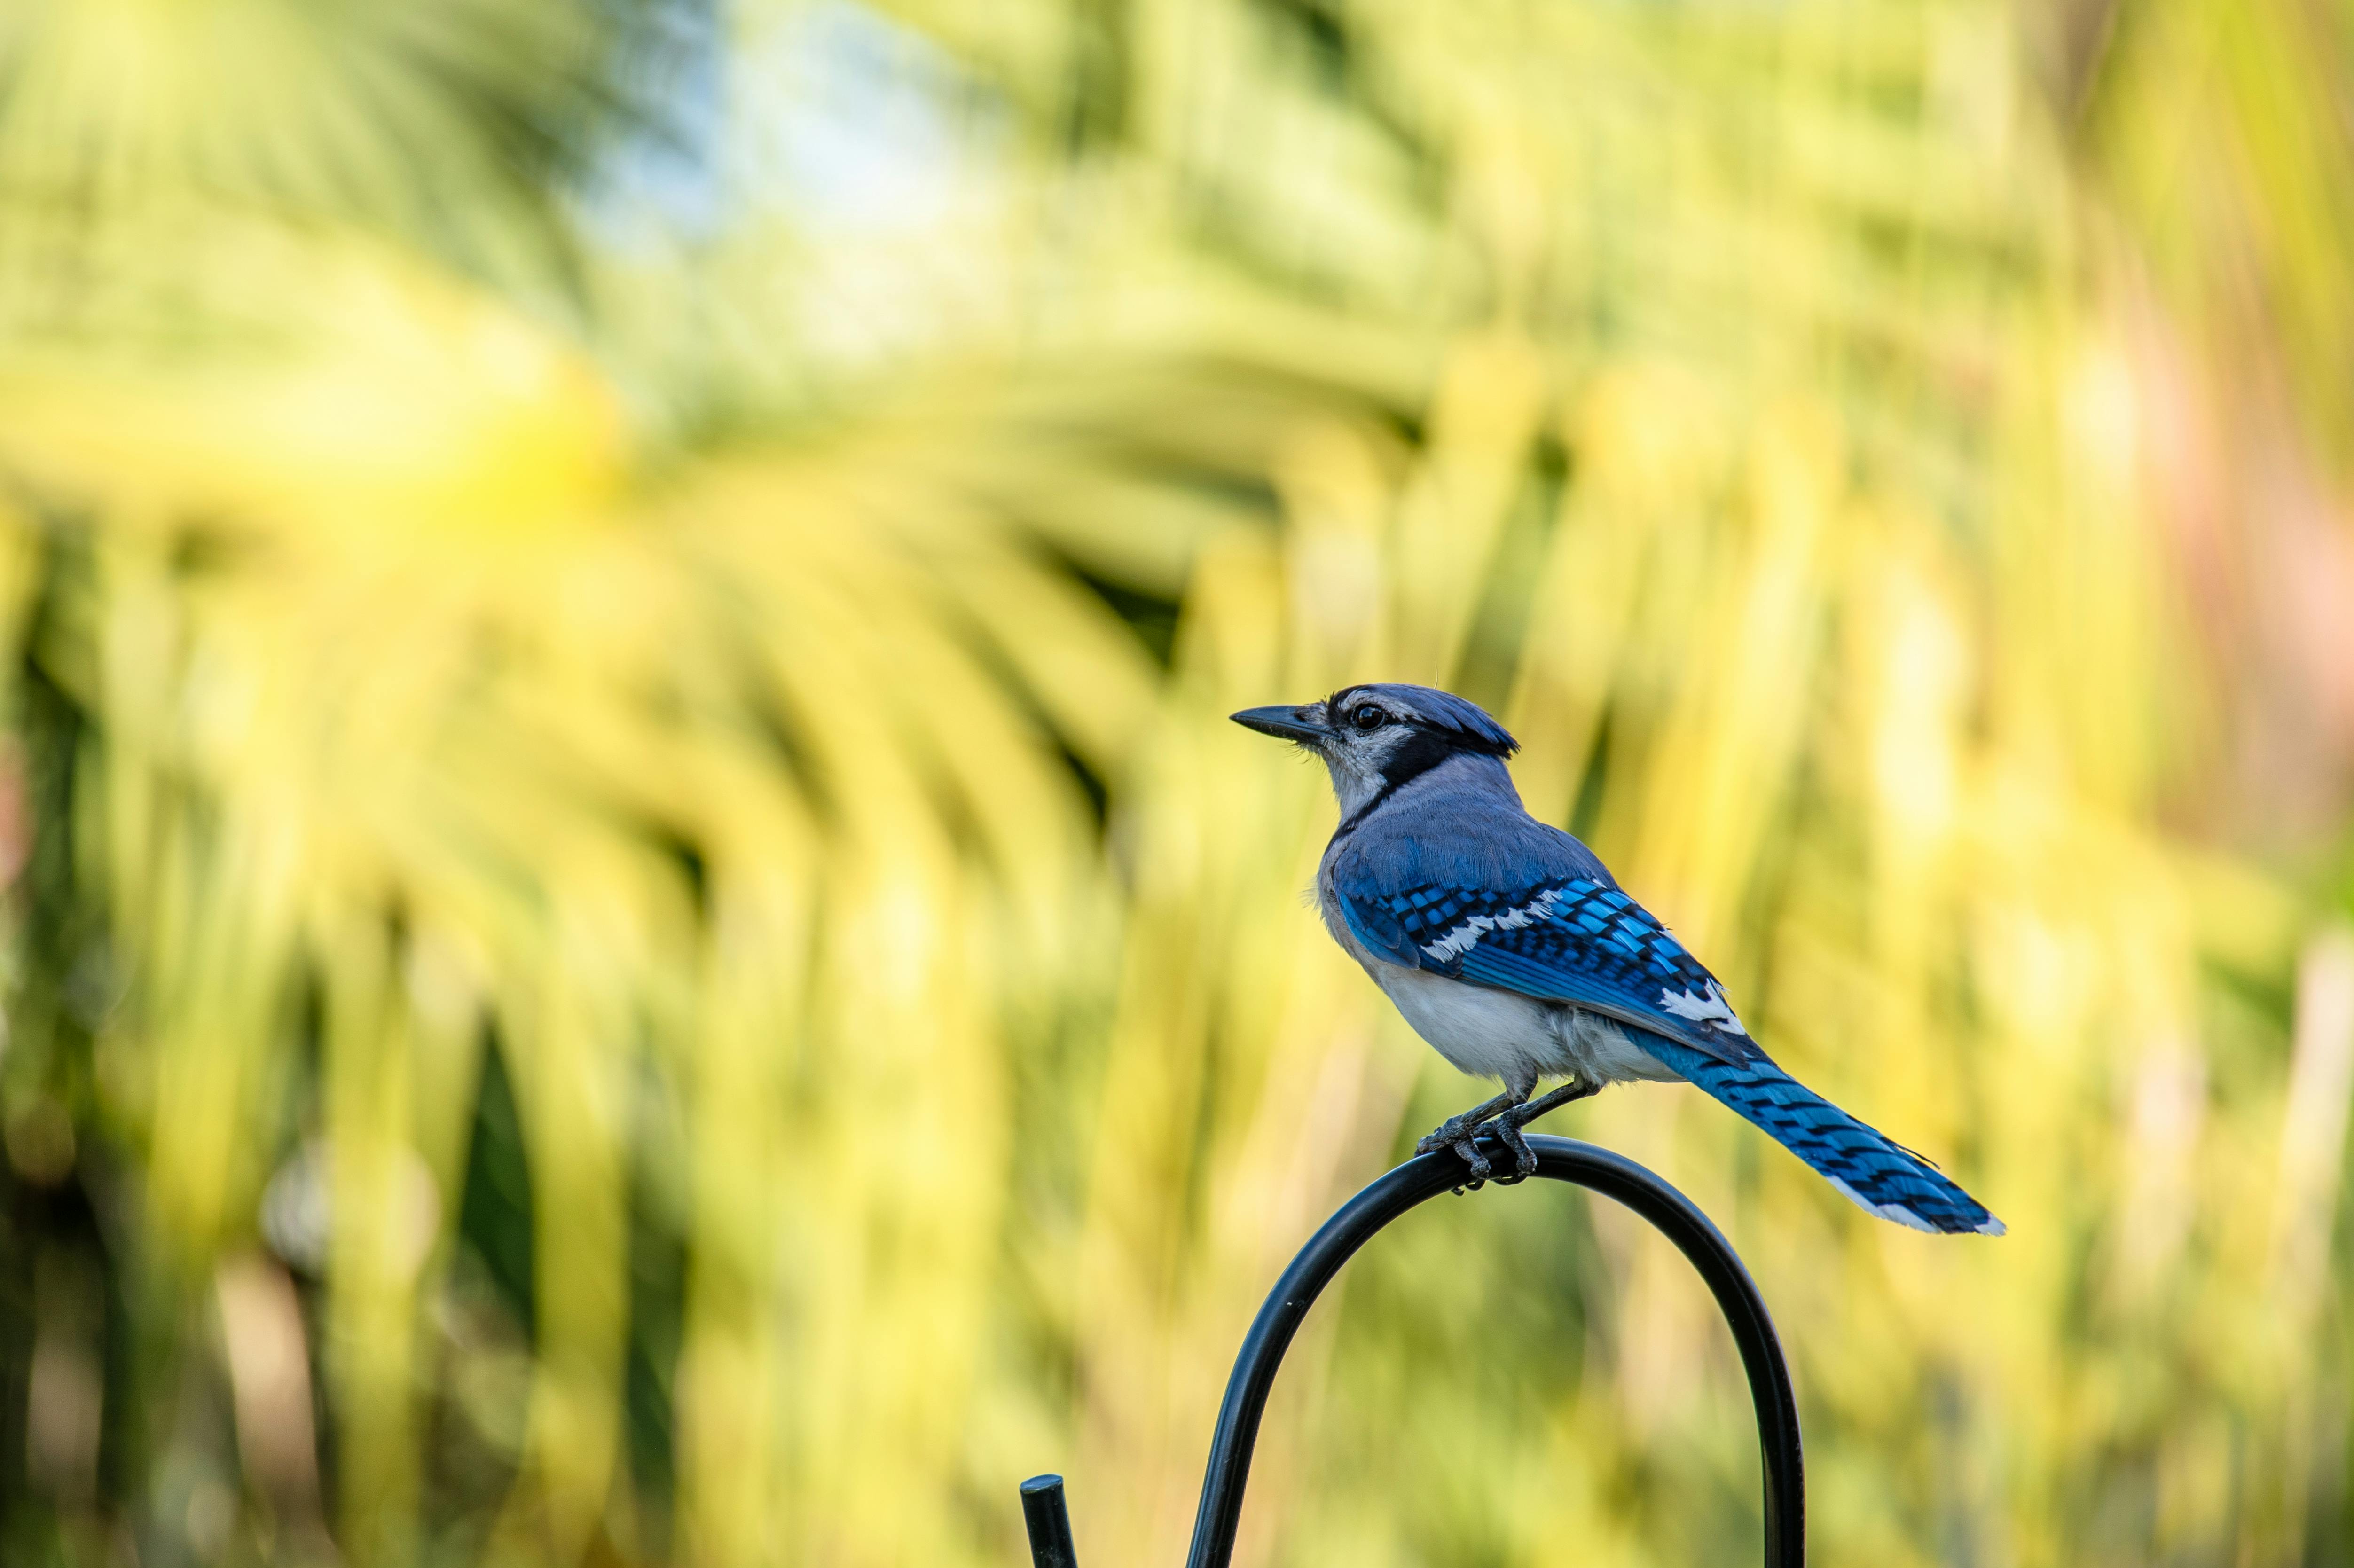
(1507, 1129)
(1446, 1135)
(1460, 1134)
(1469, 1150)
(1455, 1133)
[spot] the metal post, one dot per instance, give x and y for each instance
(1416, 1182)
(1049, 1521)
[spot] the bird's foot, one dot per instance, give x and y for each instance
(1506, 1131)
(1461, 1133)
(1468, 1149)
(1505, 1127)
(1452, 1133)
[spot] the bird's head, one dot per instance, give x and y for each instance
(1374, 738)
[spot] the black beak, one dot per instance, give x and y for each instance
(1304, 724)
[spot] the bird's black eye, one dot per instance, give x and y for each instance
(1368, 718)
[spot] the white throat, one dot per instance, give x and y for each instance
(1359, 769)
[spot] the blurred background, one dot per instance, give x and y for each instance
(635, 935)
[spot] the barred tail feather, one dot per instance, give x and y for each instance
(1867, 1166)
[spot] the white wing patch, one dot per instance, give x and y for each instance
(1460, 940)
(1708, 1007)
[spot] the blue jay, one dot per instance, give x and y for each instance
(1508, 947)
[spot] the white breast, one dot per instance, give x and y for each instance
(1495, 1033)
(1502, 1035)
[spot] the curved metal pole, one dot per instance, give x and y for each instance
(1416, 1182)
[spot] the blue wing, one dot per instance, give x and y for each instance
(1575, 939)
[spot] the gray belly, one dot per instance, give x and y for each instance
(1502, 1035)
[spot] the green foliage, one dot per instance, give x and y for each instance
(638, 933)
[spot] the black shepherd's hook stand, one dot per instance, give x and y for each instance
(1417, 1182)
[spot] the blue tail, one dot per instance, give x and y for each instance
(1866, 1165)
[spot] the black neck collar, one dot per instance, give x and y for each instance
(1421, 752)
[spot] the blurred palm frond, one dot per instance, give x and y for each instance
(624, 623)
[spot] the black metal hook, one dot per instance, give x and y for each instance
(1416, 1182)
